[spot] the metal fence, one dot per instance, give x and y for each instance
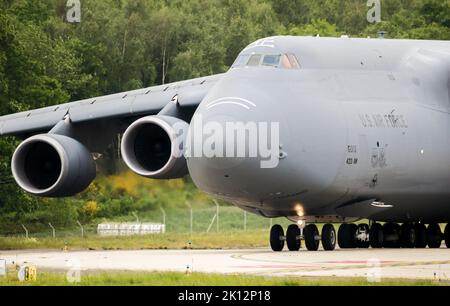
(186, 220)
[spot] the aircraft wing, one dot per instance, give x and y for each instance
(147, 101)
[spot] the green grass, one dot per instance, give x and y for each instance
(231, 235)
(198, 279)
(177, 222)
(223, 240)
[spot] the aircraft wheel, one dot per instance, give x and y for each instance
(434, 236)
(277, 238)
(447, 235)
(376, 236)
(363, 229)
(347, 236)
(293, 238)
(421, 236)
(391, 232)
(407, 236)
(328, 237)
(311, 233)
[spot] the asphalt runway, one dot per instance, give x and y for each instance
(382, 263)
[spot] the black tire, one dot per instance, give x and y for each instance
(434, 236)
(341, 240)
(328, 237)
(391, 230)
(347, 236)
(360, 243)
(407, 236)
(447, 236)
(277, 238)
(311, 232)
(421, 236)
(293, 238)
(376, 236)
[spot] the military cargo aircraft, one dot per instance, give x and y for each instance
(318, 130)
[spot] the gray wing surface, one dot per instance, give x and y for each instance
(145, 101)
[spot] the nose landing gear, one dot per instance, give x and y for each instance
(293, 238)
(434, 236)
(376, 238)
(328, 237)
(277, 238)
(408, 236)
(447, 236)
(421, 236)
(311, 236)
(347, 236)
(391, 232)
(362, 236)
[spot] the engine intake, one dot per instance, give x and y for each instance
(51, 165)
(153, 147)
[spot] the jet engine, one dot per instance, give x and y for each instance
(154, 146)
(51, 165)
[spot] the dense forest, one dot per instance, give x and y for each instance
(121, 45)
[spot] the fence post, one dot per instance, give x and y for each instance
(217, 214)
(82, 229)
(53, 230)
(212, 223)
(136, 216)
(26, 231)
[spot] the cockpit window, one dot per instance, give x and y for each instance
(254, 60)
(241, 60)
(293, 60)
(285, 61)
(271, 60)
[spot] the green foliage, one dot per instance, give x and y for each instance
(202, 279)
(128, 44)
(316, 27)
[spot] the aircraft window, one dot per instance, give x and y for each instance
(293, 60)
(271, 60)
(254, 60)
(241, 60)
(285, 62)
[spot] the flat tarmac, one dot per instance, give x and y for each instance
(384, 263)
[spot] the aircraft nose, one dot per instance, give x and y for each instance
(217, 129)
(232, 142)
(213, 138)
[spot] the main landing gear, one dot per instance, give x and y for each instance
(363, 236)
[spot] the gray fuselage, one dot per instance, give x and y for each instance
(361, 121)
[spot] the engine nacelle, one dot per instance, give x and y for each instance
(154, 146)
(52, 165)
